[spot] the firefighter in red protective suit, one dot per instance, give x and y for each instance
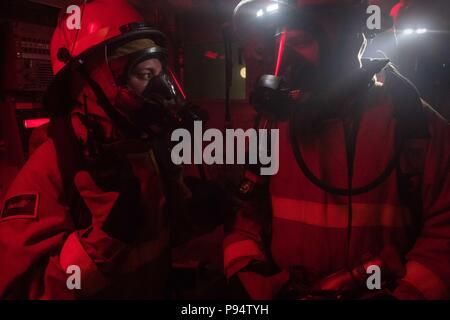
(94, 200)
(364, 167)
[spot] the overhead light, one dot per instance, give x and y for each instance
(421, 31)
(408, 31)
(260, 13)
(243, 72)
(272, 7)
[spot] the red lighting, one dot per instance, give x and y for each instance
(211, 55)
(177, 83)
(280, 51)
(92, 28)
(34, 123)
(396, 10)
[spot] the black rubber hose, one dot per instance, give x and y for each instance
(295, 143)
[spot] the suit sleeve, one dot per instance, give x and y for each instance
(428, 263)
(38, 241)
(245, 234)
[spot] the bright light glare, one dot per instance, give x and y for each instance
(272, 7)
(243, 72)
(408, 31)
(421, 31)
(260, 13)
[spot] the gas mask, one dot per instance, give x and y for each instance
(296, 54)
(148, 93)
(165, 103)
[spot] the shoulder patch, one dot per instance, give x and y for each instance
(23, 206)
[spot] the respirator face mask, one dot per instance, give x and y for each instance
(298, 62)
(164, 93)
(289, 52)
(148, 94)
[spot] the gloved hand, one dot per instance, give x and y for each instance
(112, 194)
(260, 287)
(260, 282)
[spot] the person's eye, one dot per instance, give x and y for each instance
(145, 76)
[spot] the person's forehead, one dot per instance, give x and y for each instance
(149, 63)
(315, 22)
(294, 35)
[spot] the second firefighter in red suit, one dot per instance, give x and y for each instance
(363, 170)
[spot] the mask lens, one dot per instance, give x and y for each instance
(165, 89)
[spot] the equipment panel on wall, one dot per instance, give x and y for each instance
(27, 58)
